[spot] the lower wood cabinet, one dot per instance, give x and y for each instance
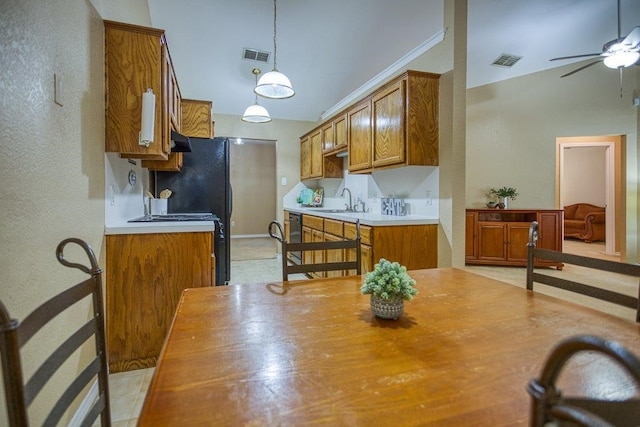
(500, 237)
(145, 276)
(414, 246)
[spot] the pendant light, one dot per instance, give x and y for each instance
(274, 84)
(256, 113)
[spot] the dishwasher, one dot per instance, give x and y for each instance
(295, 235)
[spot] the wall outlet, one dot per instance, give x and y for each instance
(233, 223)
(429, 200)
(283, 180)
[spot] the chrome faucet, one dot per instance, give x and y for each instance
(349, 206)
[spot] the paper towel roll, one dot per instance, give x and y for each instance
(148, 117)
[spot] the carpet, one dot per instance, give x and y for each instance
(246, 249)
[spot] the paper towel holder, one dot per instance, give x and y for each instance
(147, 118)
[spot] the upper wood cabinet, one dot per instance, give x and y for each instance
(359, 135)
(396, 125)
(136, 59)
(388, 125)
(313, 164)
(315, 141)
(328, 137)
(340, 132)
(196, 118)
(195, 121)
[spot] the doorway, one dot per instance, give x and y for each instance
(610, 174)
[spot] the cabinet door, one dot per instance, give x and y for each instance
(318, 256)
(366, 254)
(305, 158)
(340, 131)
(134, 62)
(307, 256)
(328, 138)
(316, 154)
(173, 95)
(359, 131)
(550, 231)
(388, 125)
(196, 118)
(333, 255)
(471, 238)
(145, 276)
(517, 238)
(492, 238)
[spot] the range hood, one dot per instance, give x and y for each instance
(179, 142)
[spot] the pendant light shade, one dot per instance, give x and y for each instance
(274, 84)
(256, 113)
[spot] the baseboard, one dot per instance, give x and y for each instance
(85, 406)
(248, 236)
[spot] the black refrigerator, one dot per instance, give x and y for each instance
(203, 186)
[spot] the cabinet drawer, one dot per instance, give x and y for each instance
(334, 227)
(313, 222)
(366, 237)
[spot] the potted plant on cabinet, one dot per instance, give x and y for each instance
(503, 194)
(389, 286)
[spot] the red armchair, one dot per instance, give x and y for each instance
(584, 221)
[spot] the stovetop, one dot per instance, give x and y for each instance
(203, 216)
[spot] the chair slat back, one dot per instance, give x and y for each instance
(539, 276)
(288, 267)
(548, 405)
(14, 335)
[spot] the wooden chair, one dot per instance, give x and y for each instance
(548, 405)
(288, 267)
(597, 264)
(14, 335)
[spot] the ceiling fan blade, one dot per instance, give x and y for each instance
(633, 39)
(575, 56)
(582, 68)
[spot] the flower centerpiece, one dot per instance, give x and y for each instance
(503, 194)
(389, 286)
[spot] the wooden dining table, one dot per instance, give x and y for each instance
(312, 353)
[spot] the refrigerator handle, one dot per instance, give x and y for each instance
(230, 200)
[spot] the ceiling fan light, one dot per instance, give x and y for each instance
(621, 59)
(256, 113)
(274, 84)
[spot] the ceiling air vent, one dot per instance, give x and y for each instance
(506, 60)
(255, 55)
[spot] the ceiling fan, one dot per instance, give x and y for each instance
(618, 53)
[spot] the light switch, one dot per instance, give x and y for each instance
(283, 180)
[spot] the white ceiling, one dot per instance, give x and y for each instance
(330, 48)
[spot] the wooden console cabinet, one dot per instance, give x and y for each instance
(499, 237)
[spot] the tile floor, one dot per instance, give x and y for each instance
(128, 389)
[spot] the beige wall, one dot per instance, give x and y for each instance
(512, 128)
(52, 163)
(253, 179)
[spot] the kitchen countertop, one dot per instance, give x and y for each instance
(367, 218)
(160, 227)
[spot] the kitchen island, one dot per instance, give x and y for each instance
(148, 265)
